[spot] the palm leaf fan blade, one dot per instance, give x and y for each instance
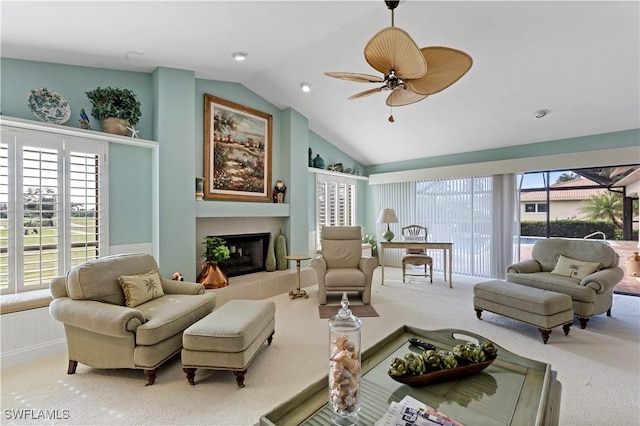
(401, 97)
(446, 66)
(392, 49)
(357, 77)
(366, 93)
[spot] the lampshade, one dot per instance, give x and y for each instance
(387, 216)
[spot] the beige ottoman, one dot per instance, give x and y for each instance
(542, 308)
(228, 338)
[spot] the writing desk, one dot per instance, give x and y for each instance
(445, 247)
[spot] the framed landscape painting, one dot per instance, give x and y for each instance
(237, 151)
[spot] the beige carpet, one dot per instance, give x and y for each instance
(599, 367)
(361, 311)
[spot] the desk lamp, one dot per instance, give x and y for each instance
(388, 216)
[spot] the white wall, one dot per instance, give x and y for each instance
(30, 335)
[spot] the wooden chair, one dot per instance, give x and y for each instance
(416, 257)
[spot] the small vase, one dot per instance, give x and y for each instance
(318, 162)
(281, 252)
(212, 277)
(199, 188)
(270, 261)
(633, 265)
(115, 126)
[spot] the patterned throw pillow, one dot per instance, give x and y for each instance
(412, 238)
(140, 288)
(574, 268)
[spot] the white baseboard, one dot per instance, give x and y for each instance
(30, 335)
(33, 353)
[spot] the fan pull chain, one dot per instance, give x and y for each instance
(391, 119)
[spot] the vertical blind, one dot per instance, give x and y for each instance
(51, 207)
(453, 210)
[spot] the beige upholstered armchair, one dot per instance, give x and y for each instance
(118, 312)
(585, 270)
(341, 266)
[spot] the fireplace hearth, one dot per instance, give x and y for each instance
(248, 253)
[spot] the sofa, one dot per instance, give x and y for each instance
(585, 270)
(118, 312)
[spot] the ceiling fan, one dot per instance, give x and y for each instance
(410, 73)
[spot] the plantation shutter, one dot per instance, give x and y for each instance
(336, 201)
(51, 203)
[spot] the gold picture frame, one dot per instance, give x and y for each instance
(237, 151)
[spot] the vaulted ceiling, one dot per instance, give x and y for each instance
(578, 60)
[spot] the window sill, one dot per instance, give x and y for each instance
(10, 303)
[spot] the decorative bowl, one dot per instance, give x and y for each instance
(442, 375)
(48, 105)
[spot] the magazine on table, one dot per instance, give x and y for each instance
(411, 412)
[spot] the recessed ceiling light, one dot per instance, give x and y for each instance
(541, 113)
(306, 87)
(239, 56)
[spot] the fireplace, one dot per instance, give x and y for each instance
(248, 253)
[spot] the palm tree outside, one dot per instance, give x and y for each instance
(607, 207)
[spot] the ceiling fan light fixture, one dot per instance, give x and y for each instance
(239, 56)
(411, 74)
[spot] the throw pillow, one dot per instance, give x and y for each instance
(140, 288)
(412, 238)
(574, 268)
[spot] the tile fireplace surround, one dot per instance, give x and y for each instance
(259, 285)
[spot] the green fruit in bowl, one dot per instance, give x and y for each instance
(489, 349)
(447, 360)
(398, 367)
(431, 360)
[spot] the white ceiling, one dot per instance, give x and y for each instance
(579, 60)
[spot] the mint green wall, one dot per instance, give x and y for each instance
(129, 167)
(173, 128)
(296, 128)
(130, 201)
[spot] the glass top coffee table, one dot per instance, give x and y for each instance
(512, 390)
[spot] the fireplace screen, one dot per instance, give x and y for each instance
(248, 253)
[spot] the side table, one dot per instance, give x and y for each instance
(297, 292)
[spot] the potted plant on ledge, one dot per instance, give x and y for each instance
(117, 109)
(211, 276)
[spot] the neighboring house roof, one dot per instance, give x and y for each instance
(560, 191)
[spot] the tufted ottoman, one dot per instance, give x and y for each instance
(542, 308)
(228, 338)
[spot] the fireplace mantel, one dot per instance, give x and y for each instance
(206, 209)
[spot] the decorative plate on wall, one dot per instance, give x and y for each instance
(49, 106)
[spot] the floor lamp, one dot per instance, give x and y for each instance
(388, 216)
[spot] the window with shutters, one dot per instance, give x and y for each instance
(52, 206)
(336, 202)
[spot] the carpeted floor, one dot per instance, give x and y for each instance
(361, 311)
(599, 367)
